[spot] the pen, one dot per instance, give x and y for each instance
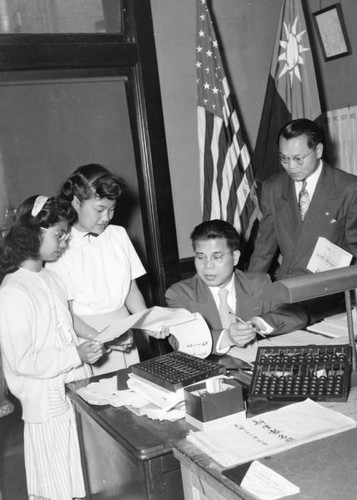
(240, 320)
(265, 337)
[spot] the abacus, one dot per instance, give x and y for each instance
(298, 372)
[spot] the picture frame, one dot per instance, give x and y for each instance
(331, 31)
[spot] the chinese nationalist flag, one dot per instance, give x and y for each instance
(227, 177)
(292, 88)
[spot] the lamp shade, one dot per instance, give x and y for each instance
(311, 286)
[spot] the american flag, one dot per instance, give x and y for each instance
(228, 189)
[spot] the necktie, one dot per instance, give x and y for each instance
(225, 312)
(304, 200)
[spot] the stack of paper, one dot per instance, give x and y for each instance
(334, 326)
(270, 433)
(161, 397)
(139, 401)
(105, 392)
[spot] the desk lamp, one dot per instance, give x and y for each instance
(312, 286)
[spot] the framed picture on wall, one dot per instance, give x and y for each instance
(332, 33)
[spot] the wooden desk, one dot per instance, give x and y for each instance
(323, 470)
(127, 457)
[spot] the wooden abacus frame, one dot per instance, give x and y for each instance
(311, 286)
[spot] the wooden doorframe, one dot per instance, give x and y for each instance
(131, 54)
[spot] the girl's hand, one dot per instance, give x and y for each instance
(124, 343)
(91, 351)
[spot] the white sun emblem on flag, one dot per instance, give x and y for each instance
(293, 50)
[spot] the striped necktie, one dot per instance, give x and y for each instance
(225, 313)
(304, 200)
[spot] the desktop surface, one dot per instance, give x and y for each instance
(323, 469)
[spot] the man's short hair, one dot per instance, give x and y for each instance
(212, 229)
(303, 126)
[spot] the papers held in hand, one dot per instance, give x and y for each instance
(327, 256)
(189, 329)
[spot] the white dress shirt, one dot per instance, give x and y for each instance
(231, 299)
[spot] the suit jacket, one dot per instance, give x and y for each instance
(252, 299)
(332, 213)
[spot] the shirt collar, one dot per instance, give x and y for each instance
(230, 287)
(311, 181)
(80, 237)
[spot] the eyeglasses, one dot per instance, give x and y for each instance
(217, 258)
(62, 237)
(299, 160)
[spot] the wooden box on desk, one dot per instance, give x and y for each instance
(206, 409)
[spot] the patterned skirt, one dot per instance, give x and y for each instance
(52, 453)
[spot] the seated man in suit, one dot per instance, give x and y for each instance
(247, 309)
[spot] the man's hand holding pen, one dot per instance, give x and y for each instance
(243, 333)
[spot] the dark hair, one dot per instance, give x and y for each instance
(24, 238)
(216, 228)
(92, 180)
(303, 126)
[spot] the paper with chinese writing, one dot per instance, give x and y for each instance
(270, 433)
(190, 329)
(193, 338)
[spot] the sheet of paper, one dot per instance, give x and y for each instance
(105, 392)
(334, 326)
(149, 319)
(193, 337)
(154, 413)
(270, 433)
(300, 337)
(267, 484)
(190, 329)
(327, 256)
(161, 397)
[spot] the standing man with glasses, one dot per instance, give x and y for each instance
(235, 305)
(307, 200)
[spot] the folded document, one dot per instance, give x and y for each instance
(190, 329)
(270, 433)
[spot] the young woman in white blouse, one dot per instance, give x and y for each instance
(100, 263)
